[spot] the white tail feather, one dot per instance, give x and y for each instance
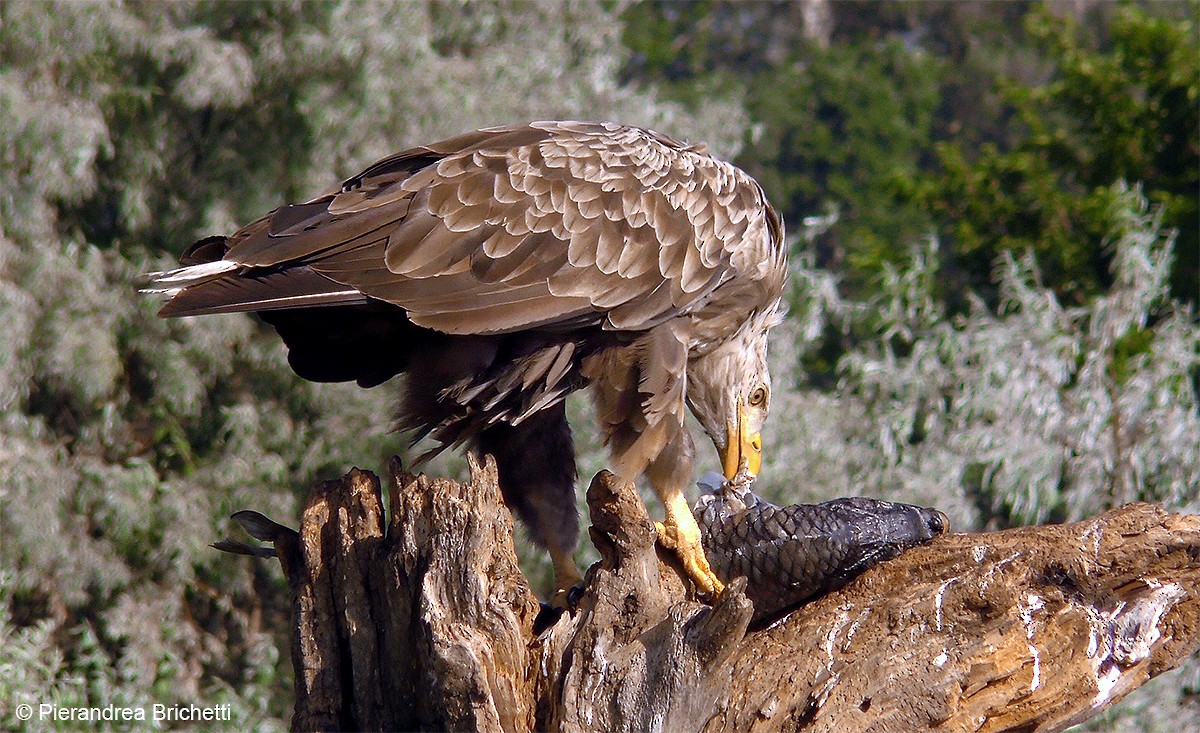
(182, 277)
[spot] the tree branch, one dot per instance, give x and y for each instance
(430, 624)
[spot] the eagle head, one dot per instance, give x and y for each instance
(729, 392)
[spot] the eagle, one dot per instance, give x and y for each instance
(505, 268)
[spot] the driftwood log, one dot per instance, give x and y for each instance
(424, 621)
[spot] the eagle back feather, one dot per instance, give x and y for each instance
(550, 225)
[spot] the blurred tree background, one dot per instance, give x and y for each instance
(993, 209)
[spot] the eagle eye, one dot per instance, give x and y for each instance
(758, 397)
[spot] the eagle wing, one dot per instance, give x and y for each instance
(546, 225)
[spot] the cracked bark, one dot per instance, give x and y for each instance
(426, 622)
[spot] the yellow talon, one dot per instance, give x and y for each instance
(664, 538)
(687, 547)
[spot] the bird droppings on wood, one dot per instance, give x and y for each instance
(1033, 603)
(1125, 635)
(1042, 637)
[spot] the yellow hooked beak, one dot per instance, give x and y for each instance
(743, 448)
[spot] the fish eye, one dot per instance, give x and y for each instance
(758, 397)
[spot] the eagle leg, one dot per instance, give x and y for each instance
(669, 472)
(535, 462)
(640, 400)
(681, 534)
(567, 580)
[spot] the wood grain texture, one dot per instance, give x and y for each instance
(1035, 628)
(425, 622)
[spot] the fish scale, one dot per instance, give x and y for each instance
(796, 553)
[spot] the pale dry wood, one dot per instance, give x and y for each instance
(1037, 628)
(429, 624)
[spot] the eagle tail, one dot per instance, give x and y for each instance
(236, 292)
(208, 283)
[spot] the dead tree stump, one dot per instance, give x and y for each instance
(426, 622)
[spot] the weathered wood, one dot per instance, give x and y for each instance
(1035, 628)
(638, 655)
(429, 624)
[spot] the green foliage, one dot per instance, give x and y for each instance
(126, 131)
(142, 121)
(836, 127)
(36, 671)
(846, 124)
(1000, 127)
(1126, 107)
(129, 129)
(1029, 412)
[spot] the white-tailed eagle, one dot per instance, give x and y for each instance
(501, 270)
